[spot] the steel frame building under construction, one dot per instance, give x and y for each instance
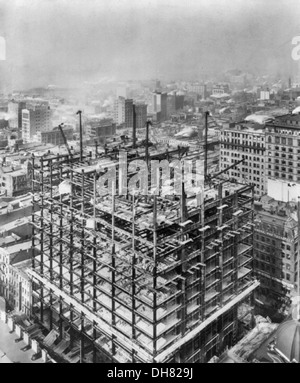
(133, 279)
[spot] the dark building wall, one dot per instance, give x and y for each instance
(179, 103)
(102, 131)
(54, 136)
(128, 113)
(22, 105)
(3, 124)
(140, 111)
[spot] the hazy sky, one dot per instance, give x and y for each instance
(63, 41)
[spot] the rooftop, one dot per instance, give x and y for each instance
(8, 240)
(14, 224)
(21, 246)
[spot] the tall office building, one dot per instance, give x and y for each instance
(119, 111)
(245, 141)
(123, 112)
(179, 103)
(35, 119)
(171, 103)
(15, 113)
(159, 106)
(140, 111)
(128, 113)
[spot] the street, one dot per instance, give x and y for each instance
(10, 352)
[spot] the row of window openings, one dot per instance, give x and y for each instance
(283, 175)
(239, 142)
(283, 140)
(283, 149)
(286, 276)
(290, 156)
(245, 136)
(268, 240)
(245, 150)
(283, 169)
(283, 162)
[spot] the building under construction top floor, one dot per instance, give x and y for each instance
(138, 279)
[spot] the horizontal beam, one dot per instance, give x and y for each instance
(162, 356)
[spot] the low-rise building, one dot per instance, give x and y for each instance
(275, 253)
(102, 130)
(15, 285)
(15, 181)
(55, 137)
(13, 211)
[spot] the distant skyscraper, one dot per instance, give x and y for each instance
(159, 105)
(129, 113)
(123, 112)
(15, 113)
(119, 110)
(179, 103)
(140, 111)
(13, 109)
(35, 119)
(171, 104)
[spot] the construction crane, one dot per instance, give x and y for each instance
(148, 123)
(209, 177)
(80, 133)
(206, 176)
(206, 139)
(65, 139)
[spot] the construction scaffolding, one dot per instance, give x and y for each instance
(134, 278)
